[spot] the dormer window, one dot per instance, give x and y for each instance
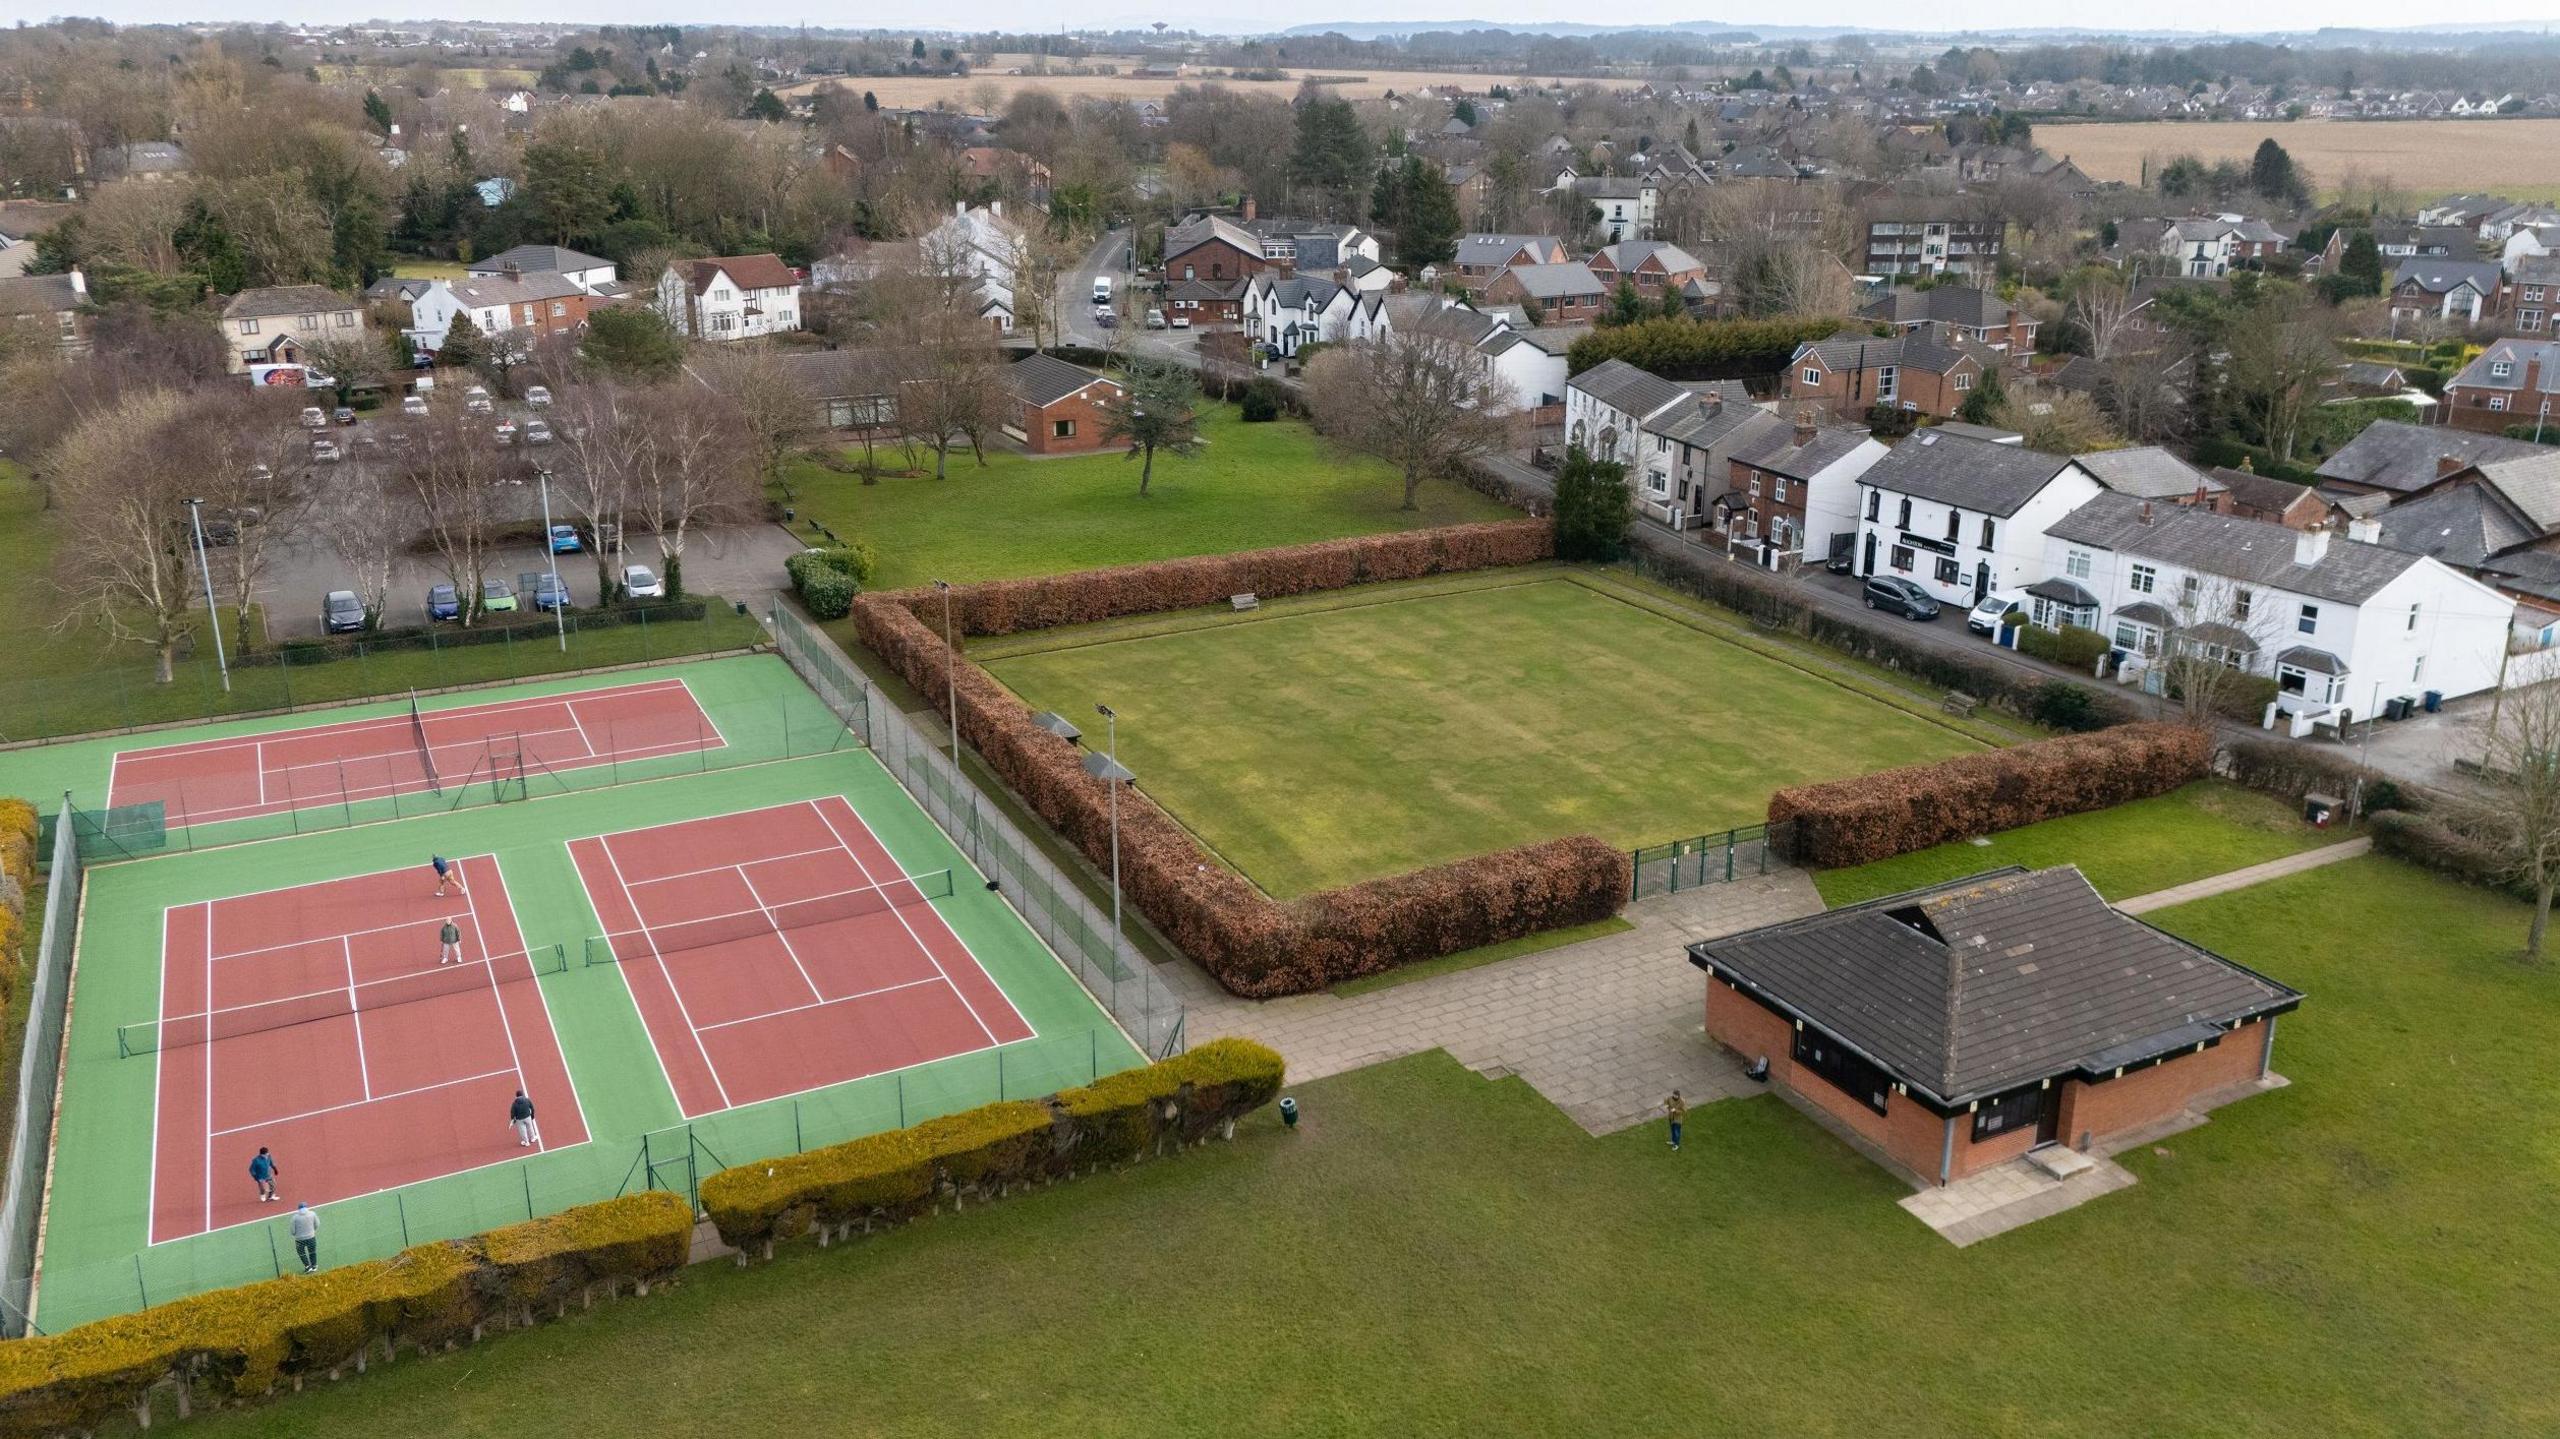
(2500, 369)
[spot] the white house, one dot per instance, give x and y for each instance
(1287, 315)
(1962, 517)
(1606, 407)
(2340, 624)
(540, 304)
(589, 273)
(979, 241)
(730, 297)
(1534, 369)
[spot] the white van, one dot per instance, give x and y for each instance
(1102, 290)
(1984, 617)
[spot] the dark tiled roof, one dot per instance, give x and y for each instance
(1209, 227)
(1970, 474)
(2401, 457)
(1498, 249)
(2519, 357)
(1570, 280)
(285, 300)
(2231, 548)
(2148, 472)
(1779, 454)
(1638, 392)
(2065, 592)
(1977, 986)
(529, 258)
(1042, 380)
(2435, 276)
(748, 272)
(1955, 304)
(38, 295)
(2257, 491)
(2462, 526)
(2530, 483)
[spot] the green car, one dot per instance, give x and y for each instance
(495, 597)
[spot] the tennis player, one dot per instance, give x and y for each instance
(450, 938)
(262, 1168)
(520, 1114)
(448, 873)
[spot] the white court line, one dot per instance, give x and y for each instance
(322, 939)
(669, 975)
(262, 772)
(354, 1104)
(718, 868)
(772, 919)
(498, 993)
(364, 1072)
(214, 746)
(1031, 1031)
(572, 708)
(935, 959)
(208, 1070)
(823, 1003)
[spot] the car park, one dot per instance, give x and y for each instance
(495, 597)
(606, 536)
(341, 613)
(314, 418)
(565, 541)
(1107, 320)
(1155, 319)
(546, 590)
(536, 433)
(444, 602)
(1984, 617)
(538, 396)
(1891, 592)
(642, 583)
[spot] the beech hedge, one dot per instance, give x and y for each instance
(882, 1180)
(1255, 946)
(1857, 821)
(240, 1343)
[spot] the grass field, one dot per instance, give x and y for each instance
(2367, 1253)
(412, 267)
(1253, 486)
(2206, 828)
(1320, 747)
(100, 1180)
(2425, 157)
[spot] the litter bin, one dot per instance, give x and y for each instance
(2396, 708)
(2434, 701)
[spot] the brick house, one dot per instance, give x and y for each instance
(1565, 294)
(269, 326)
(2533, 295)
(2464, 291)
(1978, 315)
(1956, 1027)
(1652, 265)
(1795, 488)
(2513, 382)
(522, 306)
(1929, 369)
(2394, 459)
(1970, 248)
(1207, 302)
(1058, 408)
(1482, 257)
(1213, 248)
(2253, 496)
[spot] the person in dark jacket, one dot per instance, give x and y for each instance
(262, 1168)
(520, 1114)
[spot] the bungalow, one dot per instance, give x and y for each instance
(1929, 369)
(1207, 302)
(1961, 517)
(2513, 382)
(1956, 1027)
(271, 325)
(1565, 294)
(1977, 315)
(1059, 408)
(2399, 241)
(855, 391)
(730, 297)
(2466, 291)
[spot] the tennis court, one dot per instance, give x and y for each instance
(321, 1022)
(421, 751)
(776, 951)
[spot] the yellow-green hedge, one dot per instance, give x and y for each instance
(889, 1178)
(18, 830)
(238, 1343)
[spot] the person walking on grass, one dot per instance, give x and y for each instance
(449, 943)
(520, 1114)
(262, 1168)
(1676, 1110)
(305, 1224)
(447, 873)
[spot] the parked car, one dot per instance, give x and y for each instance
(444, 602)
(1182, 322)
(314, 418)
(475, 401)
(341, 613)
(495, 597)
(414, 405)
(536, 433)
(342, 415)
(1891, 592)
(641, 583)
(222, 527)
(538, 396)
(505, 431)
(1840, 564)
(547, 591)
(606, 537)
(1155, 319)
(326, 451)
(1984, 617)
(565, 540)
(1107, 320)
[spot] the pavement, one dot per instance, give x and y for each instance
(2243, 878)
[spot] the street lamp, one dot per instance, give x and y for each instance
(950, 670)
(551, 557)
(1107, 768)
(213, 616)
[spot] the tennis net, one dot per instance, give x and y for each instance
(232, 1021)
(658, 940)
(426, 753)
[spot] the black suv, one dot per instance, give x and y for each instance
(1887, 592)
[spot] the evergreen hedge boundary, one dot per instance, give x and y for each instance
(883, 1180)
(1255, 946)
(242, 1343)
(1877, 816)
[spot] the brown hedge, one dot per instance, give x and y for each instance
(1253, 945)
(1876, 816)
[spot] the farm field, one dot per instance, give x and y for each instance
(2425, 157)
(1320, 747)
(923, 91)
(2364, 1253)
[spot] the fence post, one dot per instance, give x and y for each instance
(401, 1203)
(273, 1257)
(526, 1170)
(1635, 875)
(902, 1099)
(1728, 856)
(345, 802)
(140, 1286)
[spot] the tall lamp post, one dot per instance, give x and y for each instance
(551, 557)
(213, 616)
(1107, 768)
(950, 671)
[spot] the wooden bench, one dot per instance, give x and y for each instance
(1959, 704)
(1246, 601)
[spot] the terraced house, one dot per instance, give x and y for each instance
(1962, 517)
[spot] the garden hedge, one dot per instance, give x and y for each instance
(234, 1344)
(18, 830)
(2428, 842)
(826, 580)
(882, 1180)
(1876, 816)
(1255, 946)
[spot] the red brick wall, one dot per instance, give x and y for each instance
(1906, 1131)
(1931, 394)
(2469, 408)
(1213, 260)
(2163, 1089)
(1089, 408)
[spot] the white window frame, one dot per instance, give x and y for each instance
(2142, 579)
(2077, 563)
(1813, 376)
(2307, 621)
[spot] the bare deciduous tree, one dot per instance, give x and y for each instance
(1421, 402)
(466, 490)
(123, 563)
(2522, 822)
(252, 472)
(2222, 628)
(690, 465)
(774, 410)
(2100, 305)
(595, 462)
(366, 522)
(2279, 355)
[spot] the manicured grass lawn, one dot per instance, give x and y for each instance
(1254, 486)
(2369, 1252)
(1316, 748)
(2187, 834)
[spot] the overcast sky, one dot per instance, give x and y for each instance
(1240, 18)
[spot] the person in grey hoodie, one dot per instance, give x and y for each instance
(305, 1224)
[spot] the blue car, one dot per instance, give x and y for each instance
(565, 541)
(443, 603)
(546, 591)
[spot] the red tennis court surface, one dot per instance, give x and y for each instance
(225, 779)
(745, 1001)
(316, 1021)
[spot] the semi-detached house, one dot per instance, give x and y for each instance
(1962, 517)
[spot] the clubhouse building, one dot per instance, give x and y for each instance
(1956, 1027)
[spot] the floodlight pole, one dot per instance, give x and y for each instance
(950, 671)
(551, 557)
(1111, 747)
(212, 615)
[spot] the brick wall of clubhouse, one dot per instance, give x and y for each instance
(2148, 1094)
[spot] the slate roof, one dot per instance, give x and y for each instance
(1638, 392)
(1931, 347)
(845, 374)
(2518, 356)
(1209, 227)
(1556, 282)
(2462, 526)
(1482, 250)
(2436, 276)
(1955, 304)
(530, 258)
(2148, 472)
(1198, 290)
(2372, 375)
(1970, 474)
(1779, 454)
(1977, 986)
(2254, 551)
(2257, 491)
(1627, 256)
(39, 295)
(1043, 380)
(2401, 457)
(522, 290)
(285, 300)
(2530, 483)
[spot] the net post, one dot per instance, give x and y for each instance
(526, 1169)
(1092, 1055)
(902, 1099)
(613, 746)
(797, 1146)
(999, 1075)
(400, 1203)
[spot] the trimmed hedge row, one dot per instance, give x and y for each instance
(18, 830)
(1856, 821)
(2428, 842)
(2290, 770)
(882, 1180)
(1254, 946)
(826, 580)
(240, 1343)
(2070, 646)
(492, 630)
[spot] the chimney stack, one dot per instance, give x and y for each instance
(2310, 545)
(2365, 531)
(2146, 512)
(512, 272)
(2532, 377)
(2448, 464)
(2203, 500)
(79, 283)
(1248, 209)
(1804, 431)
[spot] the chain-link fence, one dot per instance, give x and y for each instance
(1708, 859)
(1081, 934)
(48, 977)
